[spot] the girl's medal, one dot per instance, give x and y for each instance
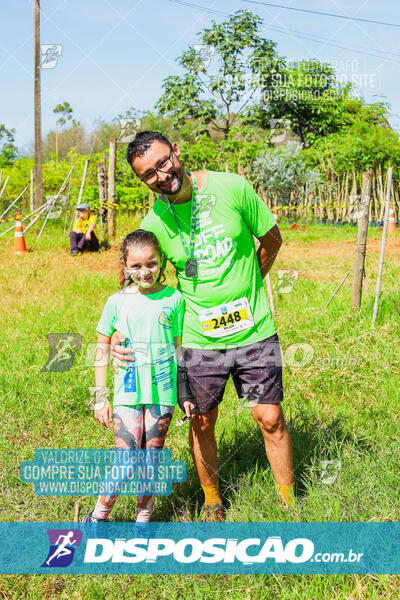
(191, 264)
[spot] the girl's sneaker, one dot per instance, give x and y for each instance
(143, 515)
(90, 519)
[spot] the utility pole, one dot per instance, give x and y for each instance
(38, 119)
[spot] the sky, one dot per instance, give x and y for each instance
(109, 55)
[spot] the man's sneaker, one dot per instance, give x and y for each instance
(90, 519)
(213, 514)
(74, 252)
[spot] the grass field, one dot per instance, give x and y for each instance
(342, 406)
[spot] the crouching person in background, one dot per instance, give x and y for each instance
(84, 235)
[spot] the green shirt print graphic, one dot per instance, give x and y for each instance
(229, 214)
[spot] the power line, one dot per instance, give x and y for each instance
(318, 12)
(325, 41)
(349, 45)
(219, 13)
(300, 34)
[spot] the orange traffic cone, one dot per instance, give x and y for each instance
(19, 240)
(391, 222)
(275, 215)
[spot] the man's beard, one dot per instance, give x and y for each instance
(179, 175)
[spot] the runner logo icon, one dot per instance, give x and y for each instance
(61, 551)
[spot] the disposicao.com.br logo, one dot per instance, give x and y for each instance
(248, 551)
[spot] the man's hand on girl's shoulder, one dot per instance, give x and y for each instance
(119, 352)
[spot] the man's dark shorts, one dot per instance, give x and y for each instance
(256, 372)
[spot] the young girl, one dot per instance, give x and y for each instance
(150, 316)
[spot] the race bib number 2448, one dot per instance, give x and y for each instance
(226, 319)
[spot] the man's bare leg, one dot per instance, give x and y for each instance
(278, 447)
(204, 447)
(204, 452)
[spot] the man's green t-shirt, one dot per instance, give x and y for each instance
(228, 287)
(149, 322)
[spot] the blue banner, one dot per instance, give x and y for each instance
(72, 472)
(202, 548)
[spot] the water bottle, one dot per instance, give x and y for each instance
(130, 375)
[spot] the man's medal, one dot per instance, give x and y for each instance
(191, 267)
(191, 264)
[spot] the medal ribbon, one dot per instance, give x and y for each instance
(189, 250)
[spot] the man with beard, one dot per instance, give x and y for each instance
(205, 222)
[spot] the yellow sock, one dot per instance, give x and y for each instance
(286, 495)
(211, 494)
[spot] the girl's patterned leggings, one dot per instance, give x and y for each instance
(136, 427)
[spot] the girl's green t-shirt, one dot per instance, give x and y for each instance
(229, 214)
(149, 322)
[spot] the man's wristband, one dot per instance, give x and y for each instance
(184, 391)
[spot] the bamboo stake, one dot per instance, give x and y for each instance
(346, 200)
(321, 210)
(4, 186)
(111, 187)
(396, 307)
(382, 196)
(336, 291)
(52, 203)
(383, 246)
(370, 209)
(344, 196)
(376, 207)
(14, 201)
(352, 197)
(361, 242)
(36, 218)
(31, 192)
(85, 170)
(366, 285)
(101, 182)
(68, 203)
(394, 204)
(25, 218)
(105, 214)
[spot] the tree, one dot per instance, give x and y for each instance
(209, 92)
(8, 150)
(65, 112)
(101, 134)
(362, 146)
(307, 94)
(73, 136)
